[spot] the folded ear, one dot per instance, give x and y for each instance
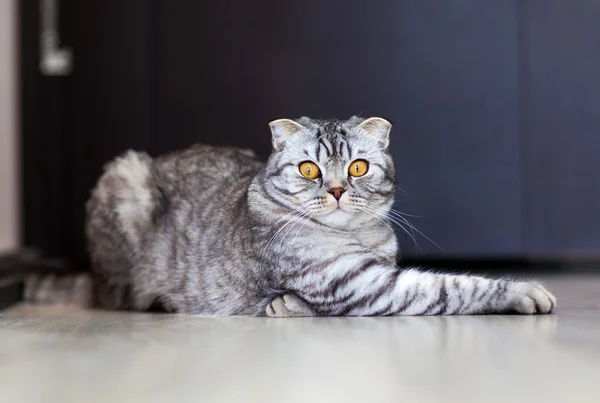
(282, 130)
(378, 127)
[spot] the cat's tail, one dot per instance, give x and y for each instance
(65, 289)
(119, 214)
(44, 280)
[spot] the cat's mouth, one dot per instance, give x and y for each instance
(335, 209)
(336, 218)
(338, 209)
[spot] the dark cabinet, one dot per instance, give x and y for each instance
(493, 104)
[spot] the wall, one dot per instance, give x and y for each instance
(8, 128)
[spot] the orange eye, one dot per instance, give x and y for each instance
(358, 168)
(309, 170)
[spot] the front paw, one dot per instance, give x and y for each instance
(288, 305)
(529, 299)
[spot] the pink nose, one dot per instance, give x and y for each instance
(336, 192)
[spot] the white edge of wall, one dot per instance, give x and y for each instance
(9, 182)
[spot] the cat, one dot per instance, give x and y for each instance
(212, 230)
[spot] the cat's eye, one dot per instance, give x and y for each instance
(358, 168)
(309, 170)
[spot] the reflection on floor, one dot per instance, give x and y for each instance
(52, 354)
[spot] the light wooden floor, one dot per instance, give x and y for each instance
(50, 354)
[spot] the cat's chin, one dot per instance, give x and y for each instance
(338, 218)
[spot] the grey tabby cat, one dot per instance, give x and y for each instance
(211, 230)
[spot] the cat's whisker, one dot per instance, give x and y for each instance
(274, 236)
(402, 190)
(391, 214)
(395, 216)
(405, 221)
(406, 227)
(375, 216)
(302, 225)
(280, 229)
(405, 214)
(400, 216)
(294, 218)
(299, 223)
(410, 231)
(404, 224)
(411, 234)
(297, 220)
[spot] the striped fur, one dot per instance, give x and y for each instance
(211, 230)
(65, 289)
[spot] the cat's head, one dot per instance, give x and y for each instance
(339, 173)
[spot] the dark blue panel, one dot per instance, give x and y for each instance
(454, 100)
(562, 125)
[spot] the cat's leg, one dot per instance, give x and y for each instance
(288, 305)
(168, 303)
(377, 289)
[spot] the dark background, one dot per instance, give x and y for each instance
(495, 107)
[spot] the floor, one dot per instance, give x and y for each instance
(54, 354)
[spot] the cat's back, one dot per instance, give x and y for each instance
(159, 213)
(201, 167)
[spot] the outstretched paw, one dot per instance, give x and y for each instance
(529, 299)
(288, 305)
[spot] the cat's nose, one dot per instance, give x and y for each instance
(336, 192)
